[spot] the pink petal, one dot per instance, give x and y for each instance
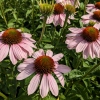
(88, 16)
(44, 86)
(90, 5)
(31, 40)
(27, 48)
(53, 85)
(27, 35)
(56, 20)
(41, 51)
(22, 66)
(4, 52)
(63, 16)
(96, 49)
(60, 77)
(90, 50)
(11, 55)
(17, 51)
(50, 19)
(34, 83)
(57, 57)
(85, 53)
(58, 1)
(26, 41)
(73, 42)
(1, 33)
(36, 54)
(25, 73)
(72, 35)
(97, 25)
(28, 61)
(81, 46)
(76, 30)
(49, 53)
(63, 68)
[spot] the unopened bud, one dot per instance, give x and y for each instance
(69, 8)
(45, 8)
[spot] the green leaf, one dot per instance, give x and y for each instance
(75, 74)
(48, 46)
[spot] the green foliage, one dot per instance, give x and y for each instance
(26, 15)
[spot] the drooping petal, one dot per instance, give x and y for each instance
(88, 16)
(44, 86)
(25, 73)
(60, 77)
(56, 20)
(63, 16)
(63, 68)
(50, 19)
(12, 56)
(90, 50)
(4, 52)
(27, 48)
(53, 85)
(76, 30)
(57, 57)
(49, 53)
(26, 41)
(22, 66)
(28, 60)
(73, 42)
(27, 35)
(81, 46)
(34, 83)
(96, 48)
(85, 53)
(17, 51)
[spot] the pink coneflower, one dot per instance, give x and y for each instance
(93, 16)
(58, 17)
(43, 65)
(86, 40)
(71, 2)
(93, 7)
(18, 45)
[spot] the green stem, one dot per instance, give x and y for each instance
(3, 15)
(87, 73)
(43, 29)
(4, 96)
(79, 60)
(90, 70)
(85, 3)
(33, 13)
(65, 24)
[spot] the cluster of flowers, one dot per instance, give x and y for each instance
(19, 45)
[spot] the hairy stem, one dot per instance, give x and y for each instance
(62, 31)
(43, 29)
(3, 15)
(85, 3)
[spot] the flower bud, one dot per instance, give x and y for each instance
(69, 8)
(45, 8)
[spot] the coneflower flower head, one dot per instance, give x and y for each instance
(46, 8)
(69, 8)
(97, 5)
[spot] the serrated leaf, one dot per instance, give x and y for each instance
(75, 74)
